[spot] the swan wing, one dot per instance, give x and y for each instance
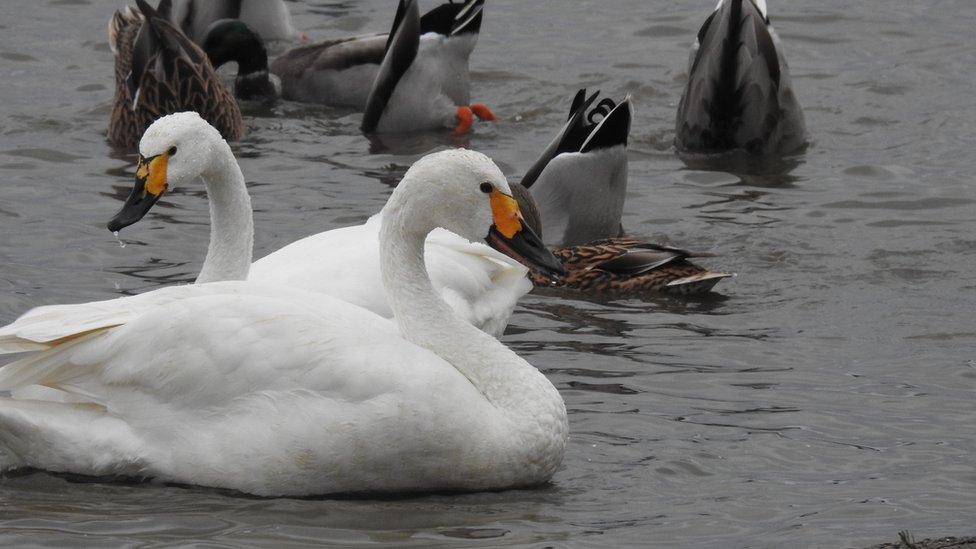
(479, 283)
(267, 391)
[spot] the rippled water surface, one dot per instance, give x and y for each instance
(825, 398)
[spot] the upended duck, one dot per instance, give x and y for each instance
(159, 71)
(275, 392)
(414, 78)
(574, 197)
(739, 95)
(269, 18)
(481, 284)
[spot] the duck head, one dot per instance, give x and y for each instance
(233, 40)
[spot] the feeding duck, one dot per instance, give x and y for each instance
(481, 284)
(279, 392)
(574, 197)
(739, 95)
(159, 71)
(269, 18)
(416, 77)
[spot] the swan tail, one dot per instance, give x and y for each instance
(57, 436)
(46, 327)
(52, 367)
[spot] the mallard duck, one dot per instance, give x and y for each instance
(576, 192)
(481, 284)
(414, 78)
(159, 71)
(278, 392)
(739, 95)
(579, 181)
(269, 18)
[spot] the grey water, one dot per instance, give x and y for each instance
(824, 398)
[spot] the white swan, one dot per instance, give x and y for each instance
(275, 392)
(481, 284)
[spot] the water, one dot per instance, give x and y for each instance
(825, 400)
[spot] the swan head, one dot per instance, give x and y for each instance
(464, 192)
(175, 149)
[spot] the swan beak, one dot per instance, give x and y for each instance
(150, 186)
(512, 237)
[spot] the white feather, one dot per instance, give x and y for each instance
(275, 391)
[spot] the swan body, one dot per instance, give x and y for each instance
(739, 95)
(159, 71)
(275, 391)
(481, 284)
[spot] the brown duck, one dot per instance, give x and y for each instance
(159, 71)
(578, 188)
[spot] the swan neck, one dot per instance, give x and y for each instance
(231, 223)
(426, 320)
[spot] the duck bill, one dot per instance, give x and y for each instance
(149, 187)
(527, 248)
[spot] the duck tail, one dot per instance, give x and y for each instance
(697, 284)
(454, 19)
(120, 20)
(732, 98)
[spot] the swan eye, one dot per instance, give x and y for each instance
(171, 151)
(487, 187)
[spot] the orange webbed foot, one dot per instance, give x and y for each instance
(465, 118)
(482, 112)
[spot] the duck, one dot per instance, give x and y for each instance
(275, 392)
(481, 284)
(739, 95)
(271, 19)
(414, 78)
(579, 182)
(159, 71)
(576, 192)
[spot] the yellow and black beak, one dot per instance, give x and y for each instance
(511, 236)
(150, 185)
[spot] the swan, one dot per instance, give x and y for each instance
(159, 71)
(576, 191)
(417, 74)
(481, 284)
(739, 95)
(274, 392)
